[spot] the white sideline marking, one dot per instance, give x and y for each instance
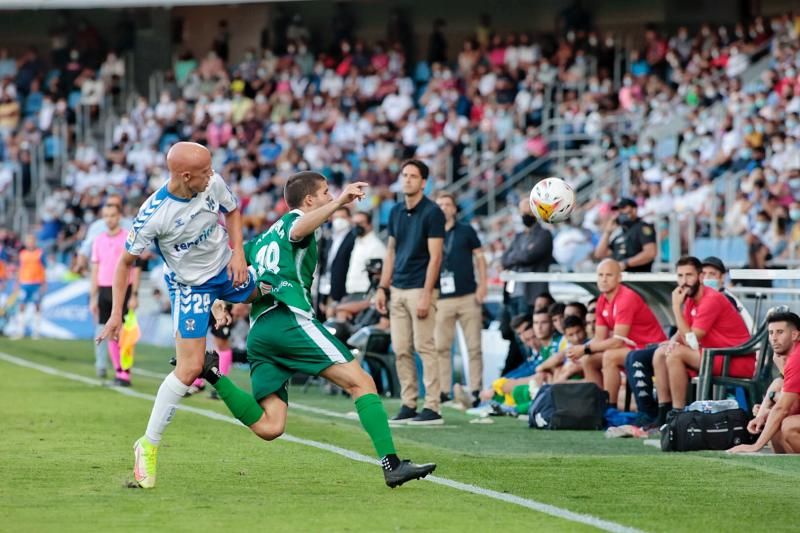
(551, 510)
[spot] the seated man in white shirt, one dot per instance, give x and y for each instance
(366, 248)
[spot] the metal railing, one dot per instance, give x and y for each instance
(494, 192)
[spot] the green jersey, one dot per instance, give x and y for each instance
(286, 265)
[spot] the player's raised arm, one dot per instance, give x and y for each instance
(309, 222)
(237, 268)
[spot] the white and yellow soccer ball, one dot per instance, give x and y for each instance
(552, 200)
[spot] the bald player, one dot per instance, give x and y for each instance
(624, 323)
(204, 262)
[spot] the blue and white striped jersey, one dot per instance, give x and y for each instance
(187, 233)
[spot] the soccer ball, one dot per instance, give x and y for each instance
(552, 200)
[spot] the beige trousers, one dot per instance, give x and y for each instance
(410, 333)
(466, 310)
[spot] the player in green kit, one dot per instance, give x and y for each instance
(286, 338)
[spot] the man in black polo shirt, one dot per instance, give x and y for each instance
(411, 268)
(460, 299)
(628, 239)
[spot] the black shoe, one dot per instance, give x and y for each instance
(210, 370)
(214, 395)
(427, 418)
(406, 413)
(122, 382)
(407, 471)
(444, 397)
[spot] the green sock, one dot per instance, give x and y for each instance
(241, 404)
(376, 423)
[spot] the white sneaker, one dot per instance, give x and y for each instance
(144, 465)
(452, 404)
(481, 410)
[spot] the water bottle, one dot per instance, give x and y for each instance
(713, 406)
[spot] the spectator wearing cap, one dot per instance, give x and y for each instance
(714, 277)
(628, 239)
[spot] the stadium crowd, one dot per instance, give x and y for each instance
(357, 110)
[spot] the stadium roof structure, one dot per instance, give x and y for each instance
(114, 4)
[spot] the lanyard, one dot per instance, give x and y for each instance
(448, 246)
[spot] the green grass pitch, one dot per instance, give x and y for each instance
(65, 455)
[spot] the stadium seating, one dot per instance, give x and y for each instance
(733, 249)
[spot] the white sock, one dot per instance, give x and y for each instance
(169, 395)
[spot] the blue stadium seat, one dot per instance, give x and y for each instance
(732, 250)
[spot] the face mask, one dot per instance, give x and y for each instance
(711, 283)
(678, 191)
(772, 179)
(339, 225)
(794, 183)
(68, 218)
(528, 220)
(646, 164)
(624, 219)
(634, 164)
(360, 231)
(606, 198)
(794, 214)
(762, 226)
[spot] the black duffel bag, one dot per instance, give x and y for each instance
(568, 406)
(687, 431)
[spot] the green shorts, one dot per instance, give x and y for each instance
(282, 343)
(522, 397)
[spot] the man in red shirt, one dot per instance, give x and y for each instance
(705, 319)
(783, 422)
(624, 323)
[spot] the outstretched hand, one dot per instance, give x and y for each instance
(352, 192)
